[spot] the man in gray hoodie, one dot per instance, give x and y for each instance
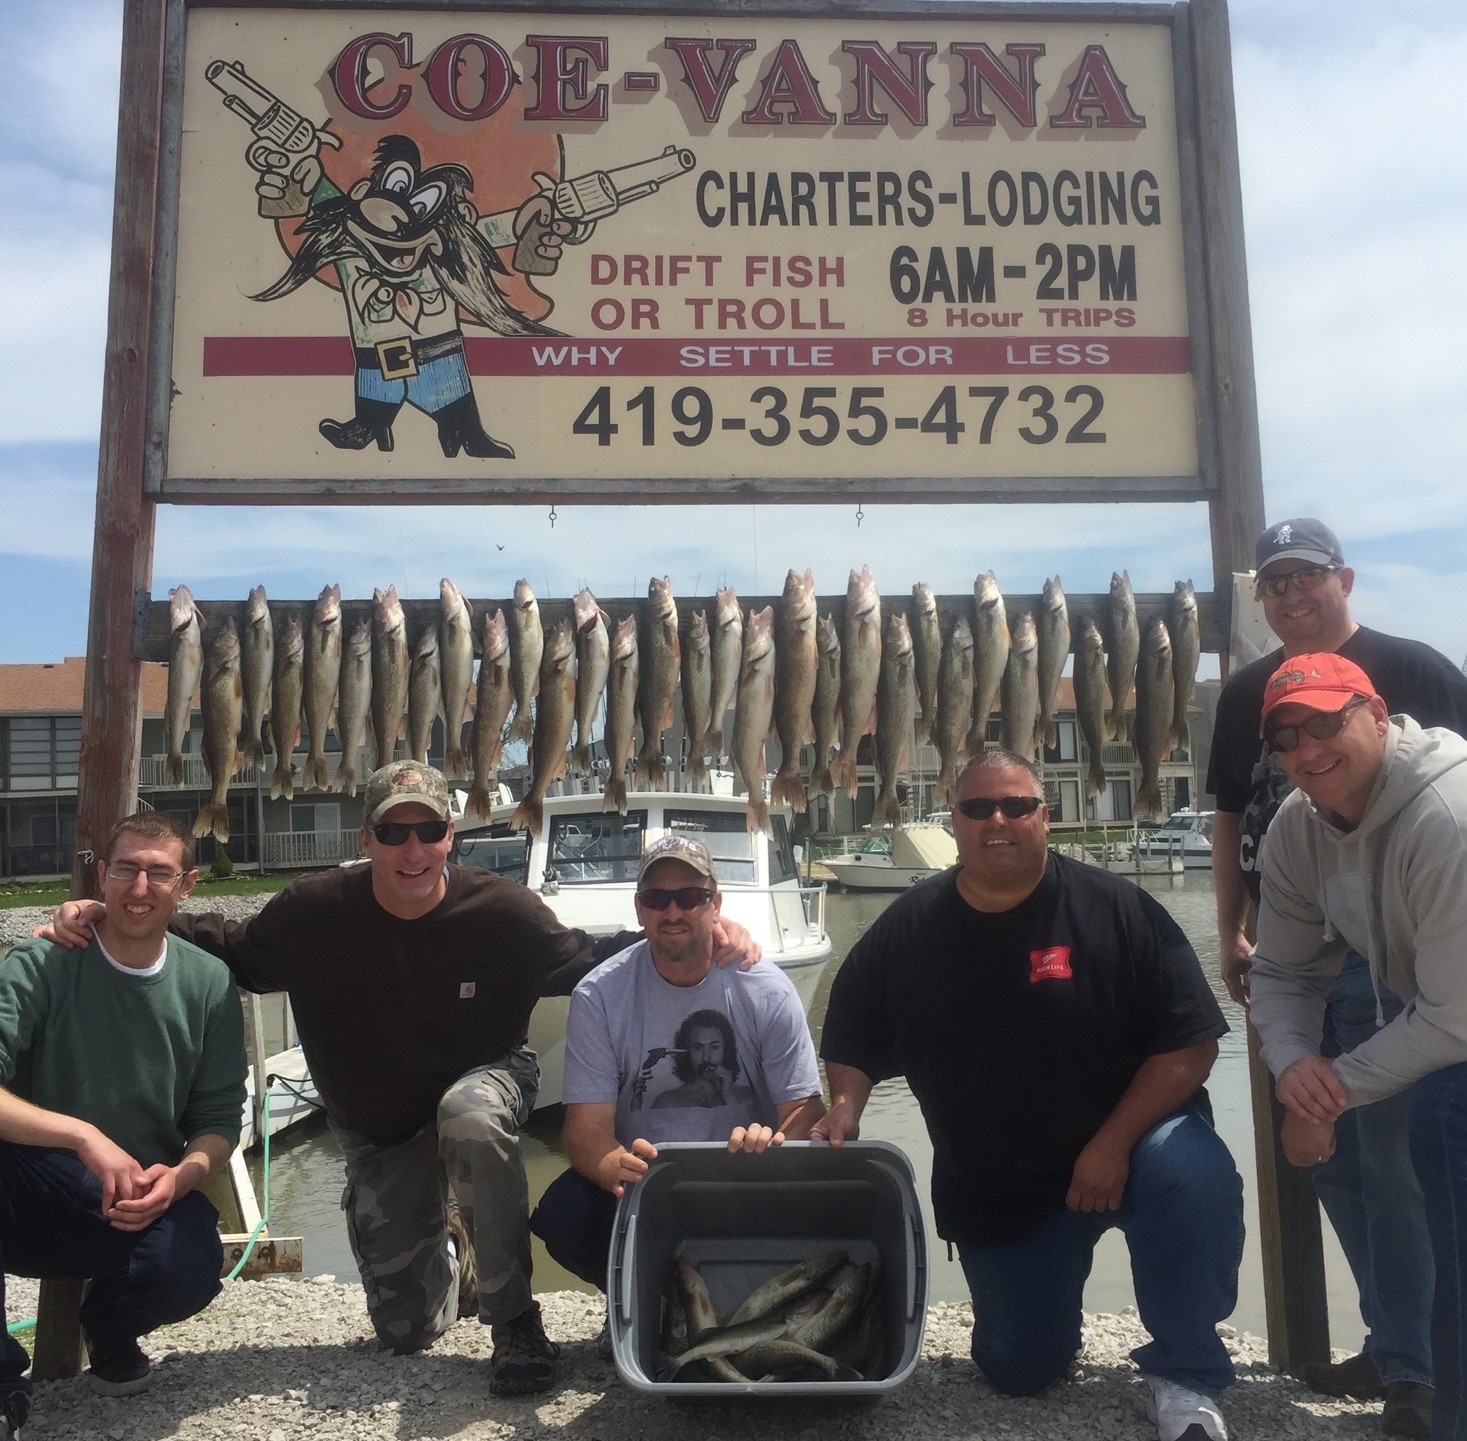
(1370, 854)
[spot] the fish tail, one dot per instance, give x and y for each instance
(1181, 736)
(213, 819)
(614, 797)
(788, 788)
(713, 741)
(477, 803)
(651, 769)
(282, 783)
(175, 768)
(888, 813)
(1096, 783)
(254, 752)
(1148, 802)
(922, 729)
(315, 776)
(455, 766)
(822, 783)
(942, 790)
(529, 815)
(581, 758)
(346, 780)
(757, 814)
(522, 728)
(698, 770)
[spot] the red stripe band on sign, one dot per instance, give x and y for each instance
(845, 355)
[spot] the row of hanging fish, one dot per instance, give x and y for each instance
(794, 675)
(818, 1320)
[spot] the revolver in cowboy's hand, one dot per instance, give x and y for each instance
(279, 132)
(580, 202)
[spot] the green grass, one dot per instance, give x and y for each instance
(14, 894)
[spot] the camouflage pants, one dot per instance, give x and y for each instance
(395, 1205)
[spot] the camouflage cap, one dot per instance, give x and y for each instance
(402, 783)
(692, 853)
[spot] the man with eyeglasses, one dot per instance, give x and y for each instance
(1368, 1189)
(1369, 857)
(662, 1045)
(124, 1087)
(412, 982)
(1056, 1028)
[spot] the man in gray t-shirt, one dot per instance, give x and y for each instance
(662, 1045)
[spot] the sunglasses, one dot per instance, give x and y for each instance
(688, 898)
(980, 808)
(1323, 727)
(395, 833)
(1305, 578)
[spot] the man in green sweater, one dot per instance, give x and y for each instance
(122, 1086)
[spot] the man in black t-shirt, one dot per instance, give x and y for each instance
(1368, 1188)
(1056, 1028)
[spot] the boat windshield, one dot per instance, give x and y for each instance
(499, 849)
(727, 837)
(595, 847)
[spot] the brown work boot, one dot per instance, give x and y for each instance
(524, 1357)
(1407, 1410)
(1356, 1377)
(468, 1276)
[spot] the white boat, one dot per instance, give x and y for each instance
(892, 860)
(1186, 837)
(584, 863)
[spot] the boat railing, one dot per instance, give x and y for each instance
(796, 913)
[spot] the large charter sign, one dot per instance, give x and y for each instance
(500, 253)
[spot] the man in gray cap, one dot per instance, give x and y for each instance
(412, 983)
(661, 1045)
(1368, 1188)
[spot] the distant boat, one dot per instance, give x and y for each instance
(892, 860)
(1187, 836)
(584, 862)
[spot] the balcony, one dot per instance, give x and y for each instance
(294, 850)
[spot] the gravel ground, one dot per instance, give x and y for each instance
(16, 925)
(284, 1358)
(279, 1359)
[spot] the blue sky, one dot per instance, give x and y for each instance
(1355, 207)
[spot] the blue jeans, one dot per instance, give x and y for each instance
(51, 1226)
(1182, 1214)
(574, 1219)
(1370, 1192)
(1439, 1150)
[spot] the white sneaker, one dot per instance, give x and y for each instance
(1183, 1415)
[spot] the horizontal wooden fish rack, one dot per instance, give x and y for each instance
(151, 635)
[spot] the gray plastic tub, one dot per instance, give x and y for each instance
(743, 1219)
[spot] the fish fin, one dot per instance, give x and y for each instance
(788, 789)
(455, 765)
(346, 780)
(1182, 736)
(922, 729)
(1095, 783)
(529, 815)
(697, 771)
(821, 783)
(713, 741)
(253, 753)
(282, 783)
(522, 728)
(757, 814)
(1148, 804)
(614, 797)
(175, 770)
(213, 820)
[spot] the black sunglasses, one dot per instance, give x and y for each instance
(395, 833)
(1323, 727)
(1305, 578)
(688, 898)
(980, 808)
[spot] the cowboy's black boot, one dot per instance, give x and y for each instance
(459, 428)
(373, 421)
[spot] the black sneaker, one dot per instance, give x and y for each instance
(468, 1276)
(15, 1407)
(1407, 1410)
(120, 1370)
(524, 1357)
(1357, 1378)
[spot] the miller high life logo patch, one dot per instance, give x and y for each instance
(1050, 964)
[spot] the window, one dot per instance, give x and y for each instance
(727, 837)
(782, 865)
(42, 753)
(318, 818)
(595, 847)
(498, 849)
